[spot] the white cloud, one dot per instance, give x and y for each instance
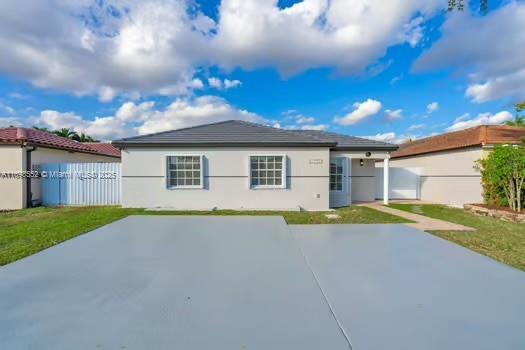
(230, 84)
(5, 109)
(160, 46)
(189, 112)
(416, 127)
(314, 127)
(152, 47)
(493, 60)
(390, 137)
(143, 118)
(227, 84)
(362, 111)
(9, 121)
(347, 35)
(301, 119)
(432, 107)
(215, 83)
(393, 115)
(464, 122)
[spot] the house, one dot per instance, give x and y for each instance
(447, 162)
(241, 165)
(23, 149)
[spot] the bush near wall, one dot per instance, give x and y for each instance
(503, 176)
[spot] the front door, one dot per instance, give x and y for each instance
(339, 184)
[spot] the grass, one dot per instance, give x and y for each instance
(501, 240)
(25, 232)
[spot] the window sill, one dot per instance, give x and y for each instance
(267, 188)
(185, 188)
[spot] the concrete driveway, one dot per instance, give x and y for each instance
(161, 282)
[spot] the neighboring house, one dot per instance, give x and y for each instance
(21, 149)
(447, 162)
(241, 165)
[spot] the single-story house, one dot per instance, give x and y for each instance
(241, 165)
(23, 149)
(447, 162)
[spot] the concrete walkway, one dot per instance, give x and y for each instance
(421, 222)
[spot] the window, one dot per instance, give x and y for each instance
(336, 174)
(185, 171)
(268, 171)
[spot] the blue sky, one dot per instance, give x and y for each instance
(118, 68)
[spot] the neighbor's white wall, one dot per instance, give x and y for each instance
(447, 177)
(50, 155)
(12, 191)
(226, 182)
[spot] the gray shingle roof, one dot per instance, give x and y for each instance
(242, 133)
(347, 142)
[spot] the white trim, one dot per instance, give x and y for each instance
(267, 187)
(386, 190)
(344, 174)
(185, 187)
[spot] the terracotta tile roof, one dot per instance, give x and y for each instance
(477, 136)
(106, 148)
(14, 135)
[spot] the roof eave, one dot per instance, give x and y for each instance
(367, 148)
(222, 144)
(71, 149)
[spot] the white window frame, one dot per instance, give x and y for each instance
(184, 187)
(343, 180)
(283, 172)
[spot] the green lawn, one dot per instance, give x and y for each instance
(500, 240)
(25, 232)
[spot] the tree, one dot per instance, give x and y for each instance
(519, 120)
(83, 138)
(66, 132)
(459, 5)
(503, 173)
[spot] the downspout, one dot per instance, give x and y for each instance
(29, 195)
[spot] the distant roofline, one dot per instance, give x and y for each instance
(22, 138)
(482, 140)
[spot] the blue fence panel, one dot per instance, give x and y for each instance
(81, 184)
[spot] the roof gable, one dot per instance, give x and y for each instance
(231, 132)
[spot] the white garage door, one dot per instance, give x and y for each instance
(404, 183)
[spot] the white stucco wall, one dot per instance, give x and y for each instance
(226, 180)
(362, 178)
(447, 177)
(12, 190)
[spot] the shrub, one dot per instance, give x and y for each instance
(503, 176)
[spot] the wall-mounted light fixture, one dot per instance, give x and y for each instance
(361, 162)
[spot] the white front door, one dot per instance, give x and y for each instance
(339, 182)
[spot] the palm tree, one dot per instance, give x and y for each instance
(66, 132)
(41, 128)
(519, 119)
(84, 138)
